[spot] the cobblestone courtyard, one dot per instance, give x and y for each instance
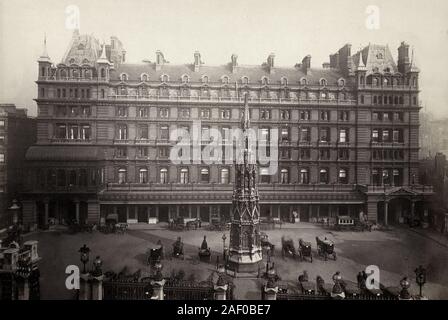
(397, 253)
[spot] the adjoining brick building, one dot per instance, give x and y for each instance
(17, 134)
(348, 136)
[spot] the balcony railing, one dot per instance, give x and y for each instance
(72, 79)
(127, 97)
(271, 187)
(386, 188)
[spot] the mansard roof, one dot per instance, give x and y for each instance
(376, 58)
(83, 49)
(215, 73)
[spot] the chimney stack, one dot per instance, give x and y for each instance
(306, 64)
(160, 60)
(234, 63)
(270, 63)
(197, 61)
(403, 58)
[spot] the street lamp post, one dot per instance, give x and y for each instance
(84, 251)
(420, 277)
(224, 247)
(15, 211)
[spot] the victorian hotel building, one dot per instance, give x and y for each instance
(347, 136)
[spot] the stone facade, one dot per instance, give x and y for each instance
(347, 135)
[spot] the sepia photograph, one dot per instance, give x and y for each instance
(192, 150)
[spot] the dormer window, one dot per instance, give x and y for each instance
(245, 80)
(303, 82)
(124, 77)
(72, 61)
(323, 82)
(264, 81)
(341, 82)
(284, 81)
(164, 78)
(144, 77)
(204, 79)
(225, 79)
(185, 78)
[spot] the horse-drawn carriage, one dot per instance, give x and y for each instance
(266, 244)
(325, 248)
(155, 255)
(178, 249)
(204, 251)
(305, 250)
(288, 248)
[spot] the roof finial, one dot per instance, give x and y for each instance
(44, 56)
(103, 57)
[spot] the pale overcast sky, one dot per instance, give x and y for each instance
(251, 28)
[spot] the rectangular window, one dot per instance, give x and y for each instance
(285, 115)
(305, 154)
(305, 135)
(285, 134)
(325, 115)
(397, 136)
(85, 132)
(121, 152)
(343, 135)
(324, 135)
(2, 123)
(264, 175)
(304, 176)
(2, 157)
(375, 135)
(398, 116)
(184, 176)
(164, 112)
(122, 111)
(142, 112)
(305, 115)
(386, 116)
(375, 116)
(184, 113)
(343, 154)
(143, 132)
(225, 134)
(205, 133)
(225, 113)
(73, 132)
(122, 132)
(85, 111)
(142, 151)
(324, 154)
(386, 136)
(265, 114)
(205, 113)
(164, 133)
(163, 175)
(344, 115)
(61, 131)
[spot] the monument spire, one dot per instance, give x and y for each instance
(245, 247)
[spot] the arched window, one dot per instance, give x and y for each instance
(375, 82)
(163, 175)
(341, 82)
(245, 80)
(264, 81)
(164, 78)
(323, 176)
(143, 175)
(123, 77)
(284, 81)
(343, 176)
(144, 77)
(103, 73)
(184, 176)
(225, 176)
(205, 176)
(284, 176)
(303, 82)
(122, 173)
(204, 79)
(185, 78)
(225, 79)
(122, 132)
(304, 176)
(323, 82)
